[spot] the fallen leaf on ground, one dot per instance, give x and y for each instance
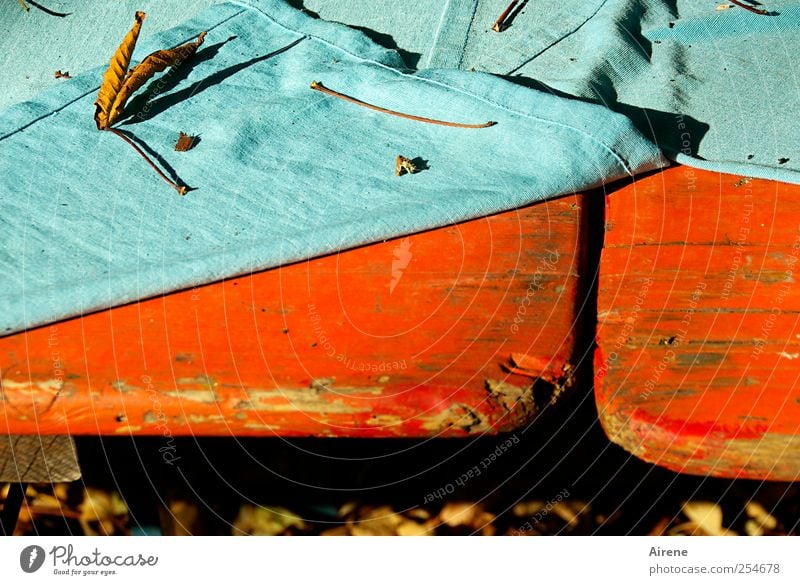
(470, 515)
(705, 518)
(262, 521)
(102, 513)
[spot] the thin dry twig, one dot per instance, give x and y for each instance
(499, 25)
(181, 189)
(25, 7)
(748, 7)
(316, 85)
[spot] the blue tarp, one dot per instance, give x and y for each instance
(593, 91)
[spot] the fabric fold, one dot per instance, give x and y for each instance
(281, 172)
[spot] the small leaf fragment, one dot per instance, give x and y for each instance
(62, 74)
(185, 142)
(404, 165)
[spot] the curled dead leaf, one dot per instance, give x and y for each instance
(114, 77)
(120, 82)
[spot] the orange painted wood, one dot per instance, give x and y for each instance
(698, 360)
(402, 338)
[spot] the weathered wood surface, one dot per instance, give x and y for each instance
(402, 338)
(698, 360)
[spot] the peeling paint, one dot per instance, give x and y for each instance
(299, 400)
(53, 385)
(322, 384)
(510, 395)
(261, 426)
(201, 380)
(385, 420)
(718, 454)
(124, 387)
(127, 429)
(202, 396)
(456, 415)
(204, 418)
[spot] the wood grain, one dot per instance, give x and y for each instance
(698, 360)
(402, 338)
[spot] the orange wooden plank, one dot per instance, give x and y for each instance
(402, 338)
(698, 360)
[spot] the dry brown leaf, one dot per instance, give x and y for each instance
(347, 509)
(753, 528)
(180, 518)
(411, 528)
(185, 142)
(62, 74)
(61, 491)
(403, 165)
(114, 77)
(261, 521)
(418, 514)
(120, 82)
(570, 512)
(473, 516)
(380, 521)
(528, 508)
(457, 513)
(101, 512)
(705, 518)
(760, 515)
(45, 501)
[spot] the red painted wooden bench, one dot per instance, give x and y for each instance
(410, 337)
(698, 360)
(441, 333)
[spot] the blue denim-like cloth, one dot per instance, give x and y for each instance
(281, 172)
(714, 89)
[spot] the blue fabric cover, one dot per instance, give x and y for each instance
(284, 173)
(281, 172)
